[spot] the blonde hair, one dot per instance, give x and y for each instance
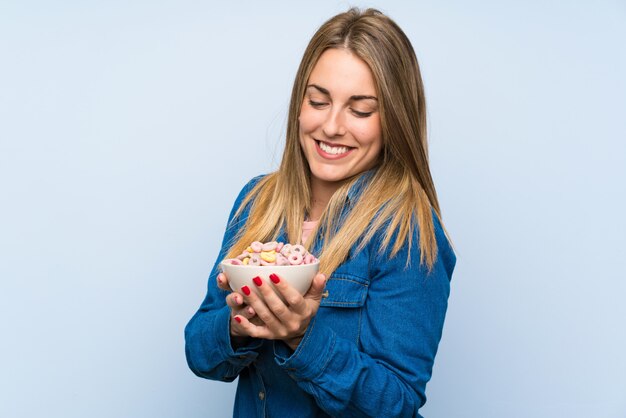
(399, 197)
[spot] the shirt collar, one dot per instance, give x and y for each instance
(359, 185)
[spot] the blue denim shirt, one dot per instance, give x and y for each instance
(368, 352)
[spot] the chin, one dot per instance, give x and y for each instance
(330, 177)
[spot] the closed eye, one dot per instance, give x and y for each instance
(315, 104)
(361, 114)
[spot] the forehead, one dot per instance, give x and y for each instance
(341, 71)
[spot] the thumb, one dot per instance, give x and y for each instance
(317, 287)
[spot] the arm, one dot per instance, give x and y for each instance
(207, 335)
(385, 374)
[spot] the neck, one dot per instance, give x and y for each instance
(321, 193)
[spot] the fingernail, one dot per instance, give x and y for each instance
(219, 279)
(274, 278)
(246, 290)
(257, 281)
(238, 319)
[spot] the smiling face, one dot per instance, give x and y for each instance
(340, 131)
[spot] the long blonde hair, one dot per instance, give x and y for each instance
(400, 195)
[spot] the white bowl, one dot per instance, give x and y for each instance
(300, 276)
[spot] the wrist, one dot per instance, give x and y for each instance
(293, 342)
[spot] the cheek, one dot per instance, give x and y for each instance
(310, 120)
(370, 134)
(305, 121)
(303, 129)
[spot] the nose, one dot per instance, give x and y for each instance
(334, 124)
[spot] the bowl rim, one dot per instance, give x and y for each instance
(222, 263)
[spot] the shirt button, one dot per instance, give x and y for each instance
(261, 395)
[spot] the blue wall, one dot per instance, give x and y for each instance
(126, 130)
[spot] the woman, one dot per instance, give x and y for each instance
(354, 185)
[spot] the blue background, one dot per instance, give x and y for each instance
(127, 128)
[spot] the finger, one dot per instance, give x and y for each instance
(294, 300)
(241, 326)
(273, 301)
(234, 300)
(256, 321)
(246, 311)
(236, 329)
(243, 312)
(222, 282)
(313, 297)
(237, 306)
(317, 287)
(260, 307)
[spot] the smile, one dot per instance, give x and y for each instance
(329, 151)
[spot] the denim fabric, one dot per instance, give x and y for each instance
(368, 352)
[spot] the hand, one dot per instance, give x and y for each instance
(237, 306)
(285, 321)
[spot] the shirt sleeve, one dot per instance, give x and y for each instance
(207, 335)
(386, 372)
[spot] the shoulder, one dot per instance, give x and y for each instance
(238, 213)
(249, 186)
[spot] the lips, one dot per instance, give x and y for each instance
(332, 151)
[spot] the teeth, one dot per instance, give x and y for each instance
(333, 150)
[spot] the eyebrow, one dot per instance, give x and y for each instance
(355, 97)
